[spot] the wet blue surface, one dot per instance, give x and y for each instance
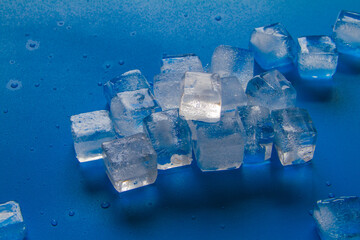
(53, 57)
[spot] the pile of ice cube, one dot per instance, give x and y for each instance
(222, 117)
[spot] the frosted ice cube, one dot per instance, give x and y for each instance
(232, 61)
(232, 94)
(128, 81)
(272, 90)
(317, 57)
(12, 225)
(128, 109)
(295, 135)
(130, 162)
(167, 84)
(347, 33)
(170, 137)
(201, 97)
(218, 146)
(272, 46)
(89, 131)
(338, 218)
(259, 130)
(181, 63)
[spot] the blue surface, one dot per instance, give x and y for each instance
(81, 43)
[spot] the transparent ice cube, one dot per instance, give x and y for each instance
(346, 33)
(259, 131)
(201, 97)
(128, 81)
(167, 84)
(271, 90)
(232, 61)
(130, 162)
(170, 137)
(338, 218)
(295, 135)
(218, 146)
(232, 94)
(128, 109)
(317, 57)
(12, 225)
(89, 131)
(272, 46)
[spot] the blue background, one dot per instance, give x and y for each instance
(81, 44)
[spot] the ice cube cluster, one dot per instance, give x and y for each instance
(221, 116)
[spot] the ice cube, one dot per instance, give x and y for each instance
(272, 46)
(181, 63)
(89, 131)
(232, 61)
(167, 84)
(128, 109)
(128, 81)
(272, 90)
(347, 33)
(317, 57)
(12, 225)
(295, 135)
(201, 97)
(232, 94)
(130, 162)
(218, 146)
(170, 137)
(338, 218)
(259, 131)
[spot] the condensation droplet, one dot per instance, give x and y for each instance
(54, 222)
(105, 205)
(14, 85)
(32, 45)
(218, 18)
(60, 23)
(71, 213)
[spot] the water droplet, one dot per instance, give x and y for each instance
(105, 205)
(32, 149)
(12, 61)
(68, 27)
(27, 34)
(99, 84)
(42, 213)
(107, 65)
(222, 226)
(71, 213)
(54, 88)
(60, 23)
(57, 126)
(331, 195)
(50, 145)
(218, 18)
(121, 62)
(14, 85)
(32, 45)
(37, 84)
(6, 110)
(328, 183)
(311, 212)
(133, 33)
(193, 217)
(85, 56)
(185, 15)
(51, 56)
(54, 222)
